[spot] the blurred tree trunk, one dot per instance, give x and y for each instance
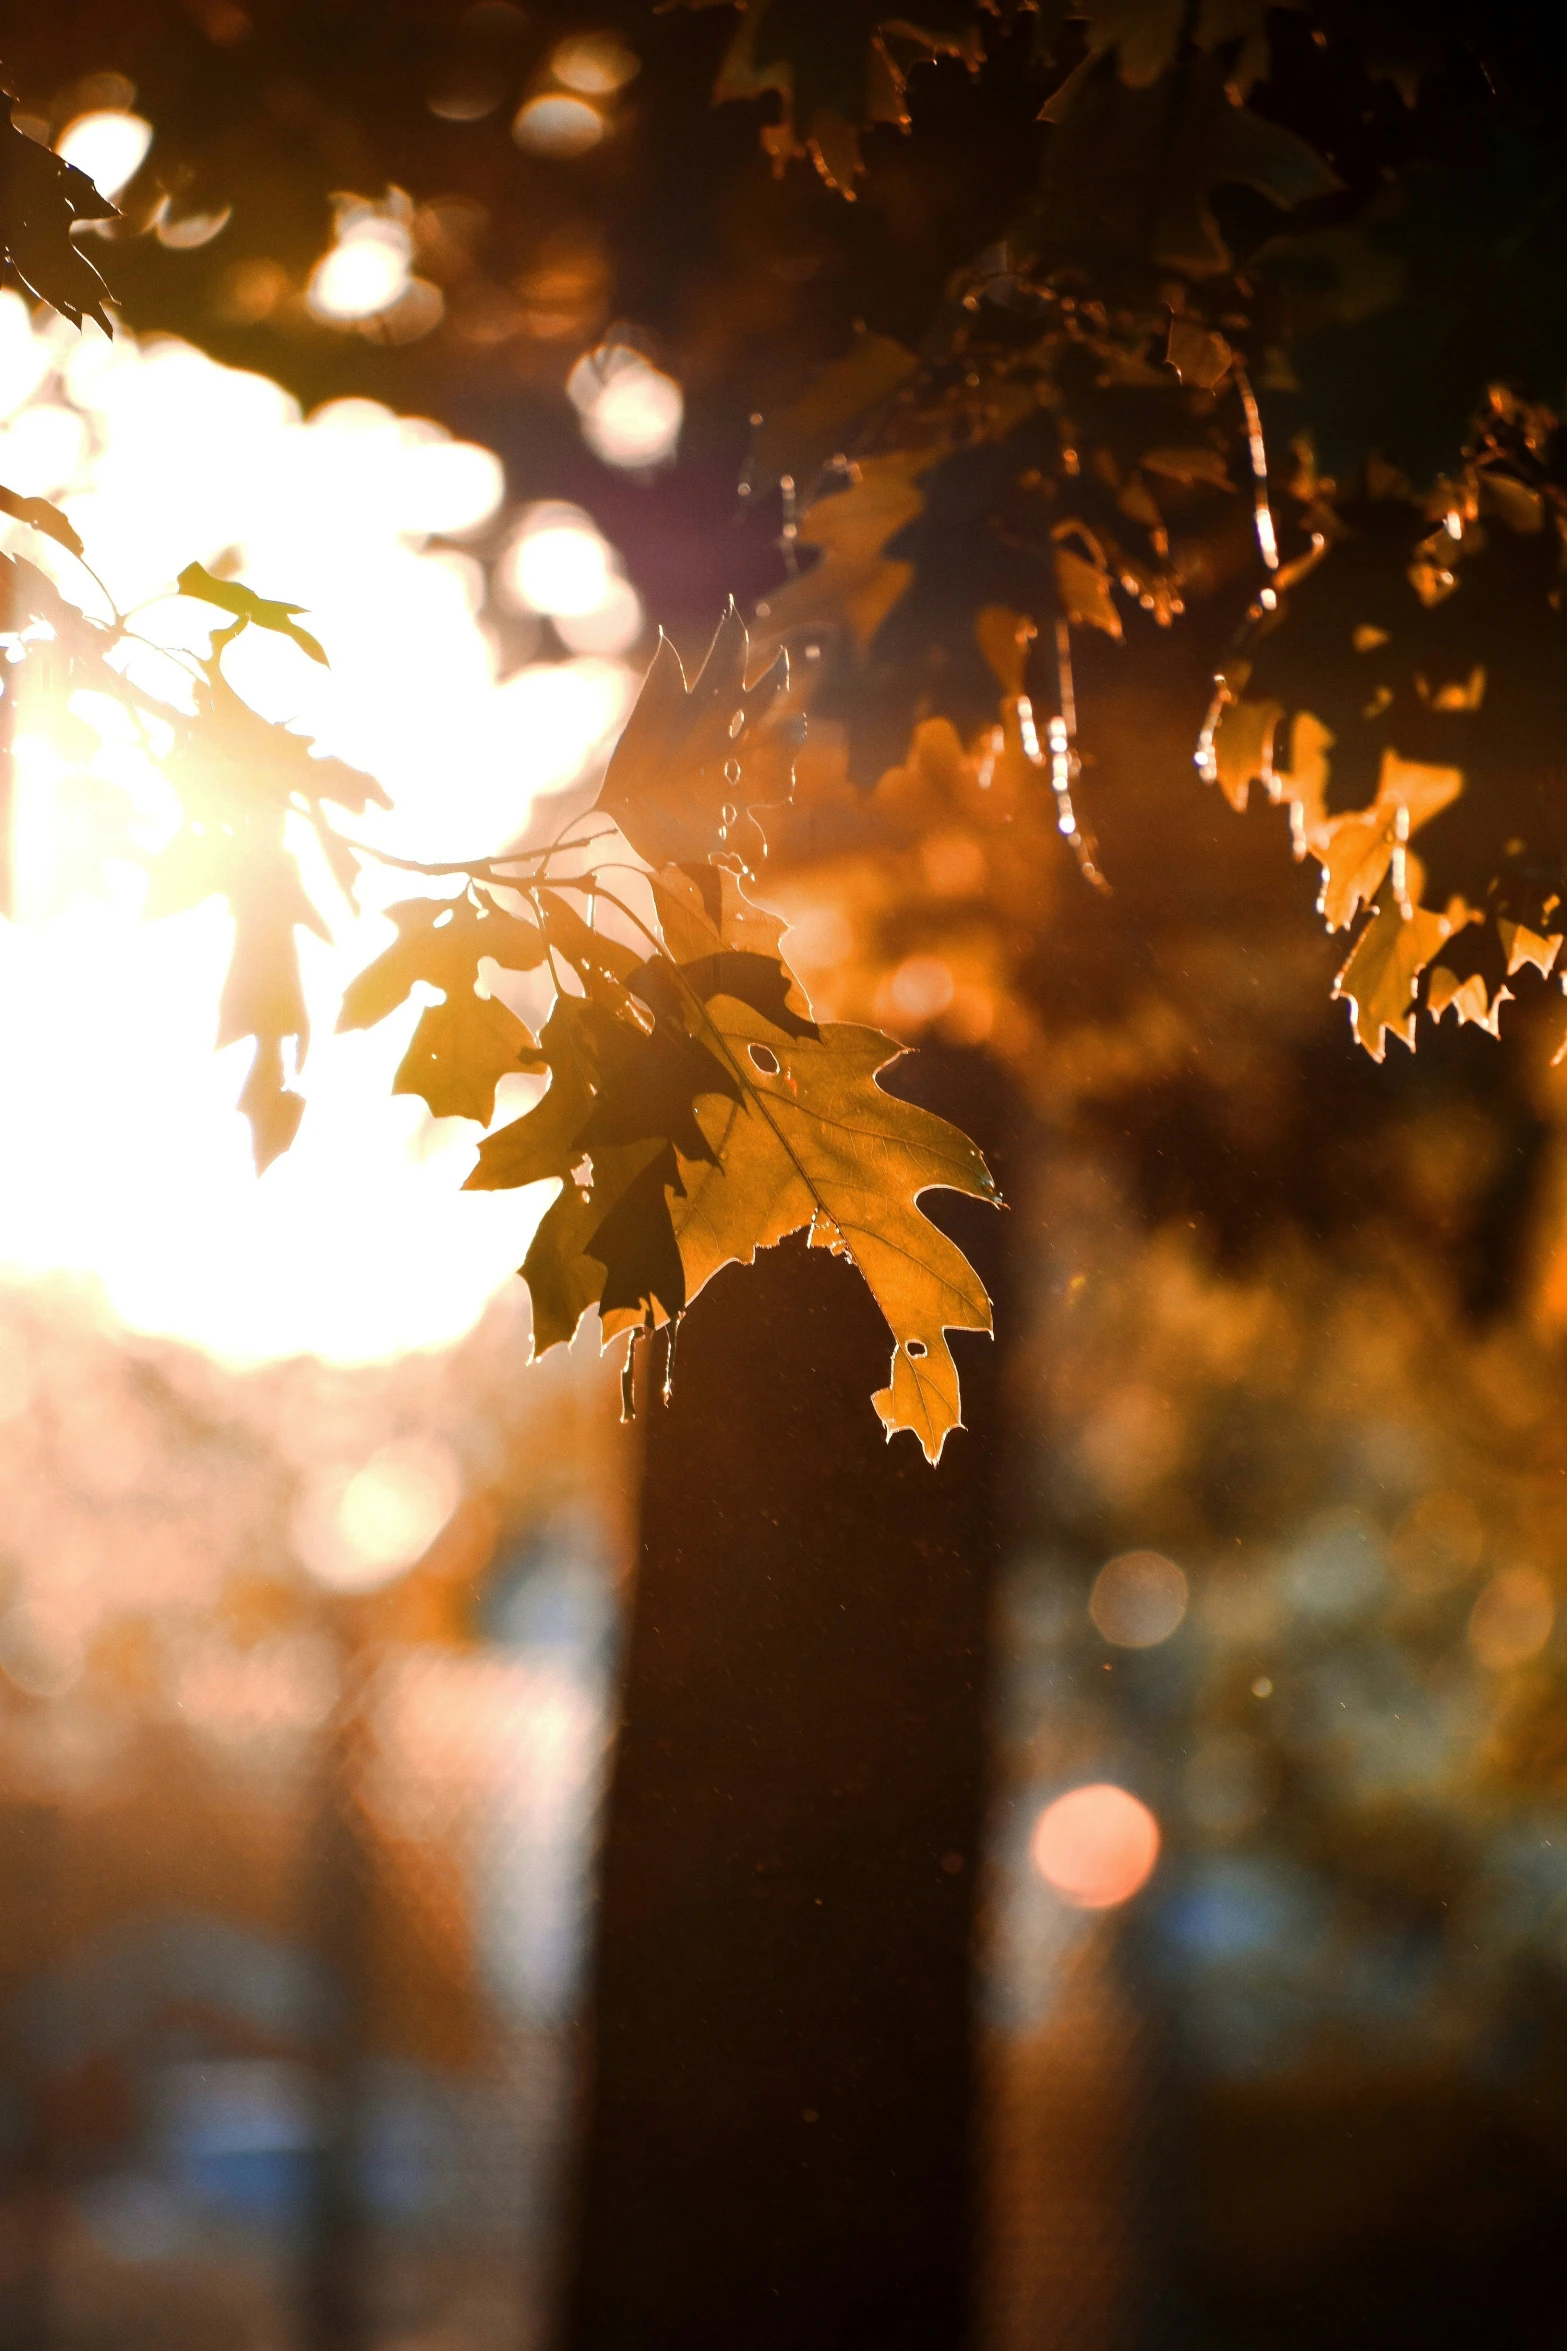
(779, 2146)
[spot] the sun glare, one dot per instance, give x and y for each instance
(127, 1163)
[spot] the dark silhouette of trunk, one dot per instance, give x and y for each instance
(779, 2143)
(336, 2286)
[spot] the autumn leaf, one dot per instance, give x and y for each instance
(1521, 945)
(1084, 590)
(1198, 354)
(1004, 637)
(1356, 849)
(459, 1053)
(1146, 35)
(42, 197)
(855, 585)
(1469, 999)
(1189, 465)
(262, 611)
(704, 913)
(837, 67)
(798, 440)
(39, 515)
(229, 756)
(814, 1142)
(263, 996)
(1241, 748)
(1131, 171)
(617, 1102)
(440, 941)
(1379, 979)
(677, 783)
(610, 1084)
(609, 1246)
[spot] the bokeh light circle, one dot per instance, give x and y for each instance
(558, 126)
(556, 564)
(1139, 1599)
(595, 65)
(631, 411)
(366, 271)
(1096, 1845)
(356, 1530)
(1513, 1618)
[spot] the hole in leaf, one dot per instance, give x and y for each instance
(765, 1059)
(916, 1348)
(735, 724)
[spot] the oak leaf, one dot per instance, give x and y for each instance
(800, 439)
(608, 1246)
(459, 1053)
(262, 995)
(814, 1143)
(39, 515)
(855, 585)
(1131, 171)
(1521, 945)
(1242, 748)
(677, 783)
(1084, 590)
(837, 66)
(227, 755)
(440, 941)
(42, 197)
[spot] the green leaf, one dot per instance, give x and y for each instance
(263, 612)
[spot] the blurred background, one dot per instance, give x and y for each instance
(452, 324)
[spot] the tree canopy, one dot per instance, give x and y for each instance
(1208, 366)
